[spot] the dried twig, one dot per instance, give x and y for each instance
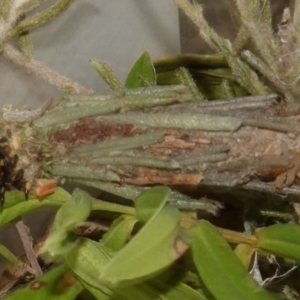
(27, 244)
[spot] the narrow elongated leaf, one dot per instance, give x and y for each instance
(281, 239)
(142, 73)
(118, 233)
(8, 254)
(220, 269)
(19, 209)
(156, 246)
(58, 284)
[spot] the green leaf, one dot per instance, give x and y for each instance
(151, 202)
(74, 211)
(12, 198)
(18, 209)
(61, 240)
(8, 255)
(118, 233)
(281, 239)
(97, 293)
(220, 269)
(87, 260)
(155, 247)
(59, 284)
(58, 244)
(244, 253)
(172, 288)
(142, 73)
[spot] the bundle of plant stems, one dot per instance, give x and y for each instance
(219, 132)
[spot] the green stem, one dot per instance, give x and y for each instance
(113, 207)
(179, 121)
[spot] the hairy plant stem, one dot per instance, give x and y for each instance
(42, 71)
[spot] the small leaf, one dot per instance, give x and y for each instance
(118, 233)
(74, 211)
(58, 284)
(151, 202)
(61, 240)
(281, 239)
(142, 73)
(155, 247)
(244, 252)
(219, 268)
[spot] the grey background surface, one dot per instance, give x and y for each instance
(113, 31)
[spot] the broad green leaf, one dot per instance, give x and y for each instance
(74, 211)
(119, 232)
(58, 244)
(244, 253)
(220, 269)
(151, 202)
(87, 260)
(154, 248)
(8, 255)
(12, 198)
(59, 284)
(281, 239)
(17, 210)
(142, 73)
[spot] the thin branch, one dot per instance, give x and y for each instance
(41, 70)
(10, 14)
(27, 244)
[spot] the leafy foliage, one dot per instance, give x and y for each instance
(153, 250)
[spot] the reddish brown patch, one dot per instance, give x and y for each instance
(152, 176)
(37, 285)
(84, 131)
(67, 280)
(45, 187)
(271, 174)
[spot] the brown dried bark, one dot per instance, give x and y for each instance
(262, 156)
